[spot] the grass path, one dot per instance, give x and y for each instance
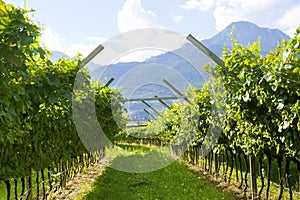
(173, 182)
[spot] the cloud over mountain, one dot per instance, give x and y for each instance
(134, 16)
(271, 13)
(55, 42)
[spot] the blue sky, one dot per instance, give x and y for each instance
(79, 26)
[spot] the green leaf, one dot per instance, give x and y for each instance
(277, 149)
(11, 113)
(26, 39)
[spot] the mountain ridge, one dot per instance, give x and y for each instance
(137, 75)
(242, 33)
(245, 32)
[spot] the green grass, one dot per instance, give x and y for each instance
(3, 190)
(174, 181)
(274, 190)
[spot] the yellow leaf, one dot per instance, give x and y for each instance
(3, 10)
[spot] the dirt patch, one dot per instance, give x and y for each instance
(81, 183)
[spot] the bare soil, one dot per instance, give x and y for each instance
(81, 183)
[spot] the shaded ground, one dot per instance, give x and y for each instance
(81, 183)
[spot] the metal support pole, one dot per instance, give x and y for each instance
(146, 111)
(95, 52)
(154, 98)
(176, 90)
(163, 103)
(210, 54)
(205, 50)
(151, 107)
(109, 82)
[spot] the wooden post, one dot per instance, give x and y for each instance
(8, 189)
(253, 190)
(29, 186)
(63, 175)
(216, 161)
(171, 150)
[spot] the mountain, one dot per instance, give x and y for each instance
(180, 67)
(245, 33)
(57, 55)
(188, 61)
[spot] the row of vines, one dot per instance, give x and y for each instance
(249, 109)
(36, 126)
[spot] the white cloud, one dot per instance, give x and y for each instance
(203, 5)
(96, 39)
(133, 16)
(138, 55)
(263, 13)
(290, 20)
(257, 11)
(54, 42)
(85, 48)
(178, 18)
